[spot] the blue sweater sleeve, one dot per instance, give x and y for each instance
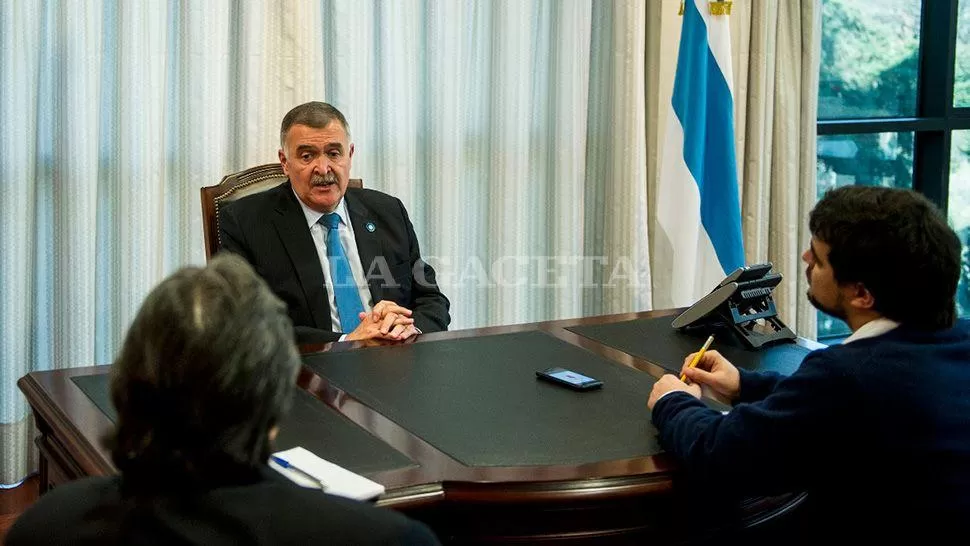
(756, 386)
(766, 447)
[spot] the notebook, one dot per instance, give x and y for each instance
(304, 468)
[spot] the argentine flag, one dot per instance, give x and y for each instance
(698, 207)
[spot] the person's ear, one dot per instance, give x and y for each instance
(282, 155)
(273, 432)
(351, 154)
(859, 296)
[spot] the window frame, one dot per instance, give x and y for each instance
(936, 118)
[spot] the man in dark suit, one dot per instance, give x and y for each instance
(206, 371)
(876, 429)
(345, 261)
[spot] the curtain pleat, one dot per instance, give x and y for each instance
(21, 32)
(780, 110)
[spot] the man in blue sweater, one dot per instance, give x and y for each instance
(877, 429)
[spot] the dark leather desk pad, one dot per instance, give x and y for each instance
(478, 399)
(310, 423)
(653, 339)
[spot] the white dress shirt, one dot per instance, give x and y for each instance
(346, 233)
(873, 328)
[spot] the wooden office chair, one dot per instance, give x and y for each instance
(237, 185)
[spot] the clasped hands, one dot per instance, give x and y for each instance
(387, 321)
(712, 370)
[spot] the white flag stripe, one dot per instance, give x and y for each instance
(679, 219)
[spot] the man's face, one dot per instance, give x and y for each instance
(823, 290)
(318, 164)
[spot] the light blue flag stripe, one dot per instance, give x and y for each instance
(703, 104)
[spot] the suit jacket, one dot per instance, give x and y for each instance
(877, 431)
(270, 231)
(269, 510)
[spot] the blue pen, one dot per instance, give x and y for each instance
(286, 464)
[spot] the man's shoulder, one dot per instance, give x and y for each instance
(373, 197)
(903, 339)
(259, 201)
(104, 488)
(307, 513)
(292, 515)
(842, 356)
(901, 348)
(58, 512)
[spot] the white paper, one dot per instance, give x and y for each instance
(338, 479)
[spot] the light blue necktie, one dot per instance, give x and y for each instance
(345, 290)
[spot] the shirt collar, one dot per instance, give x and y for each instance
(873, 328)
(312, 216)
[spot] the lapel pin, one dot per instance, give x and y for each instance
(370, 227)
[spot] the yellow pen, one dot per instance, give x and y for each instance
(697, 357)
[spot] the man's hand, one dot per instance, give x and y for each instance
(385, 307)
(670, 383)
(716, 372)
(387, 313)
(392, 327)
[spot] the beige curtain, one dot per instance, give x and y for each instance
(776, 98)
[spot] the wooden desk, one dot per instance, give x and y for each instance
(611, 501)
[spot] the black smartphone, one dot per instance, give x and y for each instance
(569, 378)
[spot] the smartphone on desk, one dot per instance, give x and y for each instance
(569, 378)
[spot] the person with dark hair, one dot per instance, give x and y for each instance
(345, 260)
(207, 369)
(877, 429)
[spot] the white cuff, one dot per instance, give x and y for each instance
(662, 397)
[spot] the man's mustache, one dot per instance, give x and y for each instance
(325, 180)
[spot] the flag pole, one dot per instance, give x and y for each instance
(716, 7)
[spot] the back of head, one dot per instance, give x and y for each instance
(206, 370)
(898, 245)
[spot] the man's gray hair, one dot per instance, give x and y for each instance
(312, 114)
(207, 368)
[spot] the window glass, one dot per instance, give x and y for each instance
(961, 88)
(959, 210)
(870, 55)
(831, 329)
(868, 159)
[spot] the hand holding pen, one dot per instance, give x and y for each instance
(697, 357)
(714, 371)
